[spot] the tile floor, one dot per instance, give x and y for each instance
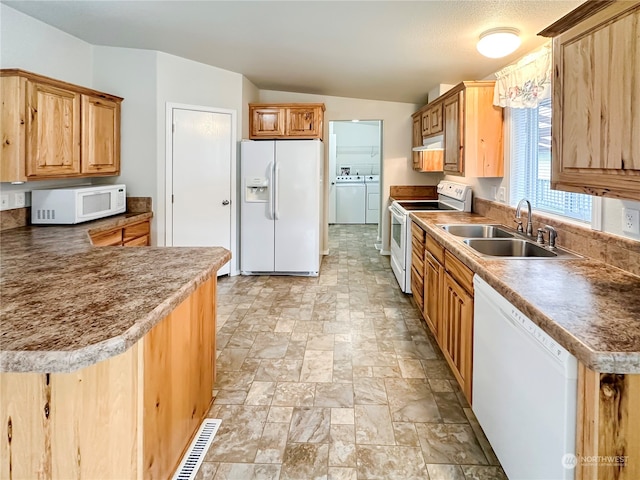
(336, 377)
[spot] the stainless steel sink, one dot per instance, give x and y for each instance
(510, 247)
(477, 231)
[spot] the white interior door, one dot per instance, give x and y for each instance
(202, 158)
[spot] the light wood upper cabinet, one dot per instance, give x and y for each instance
(289, 120)
(100, 135)
(596, 105)
(416, 139)
(454, 134)
(435, 119)
(472, 128)
(53, 129)
(304, 122)
(266, 122)
(431, 120)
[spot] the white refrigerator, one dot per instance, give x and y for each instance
(280, 210)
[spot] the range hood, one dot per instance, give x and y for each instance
(434, 143)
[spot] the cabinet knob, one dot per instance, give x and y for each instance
(225, 202)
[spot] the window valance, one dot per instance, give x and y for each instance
(525, 83)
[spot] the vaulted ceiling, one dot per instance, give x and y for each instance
(384, 50)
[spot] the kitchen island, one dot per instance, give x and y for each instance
(593, 310)
(107, 354)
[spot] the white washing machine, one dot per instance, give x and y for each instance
(350, 199)
(372, 192)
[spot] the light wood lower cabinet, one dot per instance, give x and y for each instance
(130, 416)
(417, 264)
(608, 426)
(132, 235)
(456, 335)
(433, 275)
(448, 309)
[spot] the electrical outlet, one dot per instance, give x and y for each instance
(502, 193)
(631, 221)
(19, 200)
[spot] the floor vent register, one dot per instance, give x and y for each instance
(196, 452)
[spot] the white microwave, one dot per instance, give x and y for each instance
(69, 205)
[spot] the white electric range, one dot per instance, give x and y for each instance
(451, 196)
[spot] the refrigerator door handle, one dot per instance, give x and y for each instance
(276, 212)
(270, 168)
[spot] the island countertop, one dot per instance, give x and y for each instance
(65, 304)
(590, 308)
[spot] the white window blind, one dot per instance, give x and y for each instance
(531, 165)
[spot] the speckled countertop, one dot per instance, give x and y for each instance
(65, 304)
(589, 307)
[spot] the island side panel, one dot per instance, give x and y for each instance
(608, 426)
(72, 425)
(179, 355)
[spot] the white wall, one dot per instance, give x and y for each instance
(132, 73)
(250, 94)
(29, 44)
(32, 45)
(396, 141)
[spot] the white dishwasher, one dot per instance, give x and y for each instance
(524, 390)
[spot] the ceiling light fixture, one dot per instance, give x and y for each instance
(499, 42)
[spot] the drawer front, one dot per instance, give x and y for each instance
(459, 271)
(417, 287)
(417, 233)
(107, 239)
(136, 230)
(417, 263)
(435, 249)
(138, 242)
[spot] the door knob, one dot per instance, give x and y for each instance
(225, 202)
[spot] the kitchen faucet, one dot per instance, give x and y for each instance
(518, 218)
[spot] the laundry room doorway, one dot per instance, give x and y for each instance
(355, 160)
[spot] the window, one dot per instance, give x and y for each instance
(531, 165)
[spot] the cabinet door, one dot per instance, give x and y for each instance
(53, 131)
(596, 106)
(453, 134)
(416, 137)
(433, 273)
(100, 136)
(303, 122)
(457, 331)
(426, 123)
(435, 119)
(267, 122)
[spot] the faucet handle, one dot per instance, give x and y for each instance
(553, 234)
(519, 228)
(540, 238)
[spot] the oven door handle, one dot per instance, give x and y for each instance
(398, 216)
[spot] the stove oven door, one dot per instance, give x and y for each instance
(399, 246)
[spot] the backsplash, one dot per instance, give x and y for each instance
(618, 251)
(14, 218)
(21, 217)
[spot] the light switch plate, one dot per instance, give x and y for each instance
(502, 193)
(631, 221)
(4, 202)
